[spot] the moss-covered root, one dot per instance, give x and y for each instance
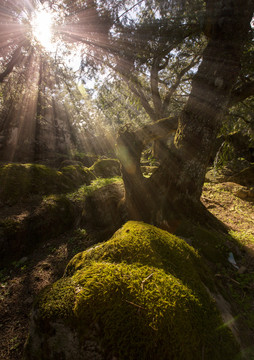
(137, 296)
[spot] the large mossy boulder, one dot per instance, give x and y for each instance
(140, 296)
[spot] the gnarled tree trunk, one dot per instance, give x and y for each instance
(174, 190)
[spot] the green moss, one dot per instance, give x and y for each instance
(157, 248)
(138, 307)
(78, 174)
(45, 180)
(57, 300)
(106, 168)
(143, 289)
(85, 190)
(21, 180)
(211, 244)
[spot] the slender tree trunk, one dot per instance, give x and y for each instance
(174, 190)
(39, 111)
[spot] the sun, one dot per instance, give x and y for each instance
(42, 23)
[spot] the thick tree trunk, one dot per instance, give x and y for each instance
(174, 190)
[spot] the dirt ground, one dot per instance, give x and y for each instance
(21, 280)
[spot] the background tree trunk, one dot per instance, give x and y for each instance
(174, 190)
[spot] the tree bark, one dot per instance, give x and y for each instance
(174, 190)
(15, 60)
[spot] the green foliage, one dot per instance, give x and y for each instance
(119, 106)
(143, 289)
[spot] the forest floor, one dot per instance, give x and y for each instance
(22, 280)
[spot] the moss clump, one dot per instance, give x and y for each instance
(142, 291)
(139, 307)
(59, 303)
(21, 180)
(106, 168)
(141, 244)
(78, 174)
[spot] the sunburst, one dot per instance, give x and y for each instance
(42, 23)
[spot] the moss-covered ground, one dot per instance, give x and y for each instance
(24, 277)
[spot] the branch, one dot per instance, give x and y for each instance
(154, 81)
(241, 93)
(166, 61)
(177, 82)
(136, 88)
(157, 130)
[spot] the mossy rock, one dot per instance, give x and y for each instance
(106, 168)
(78, 174)
(138, 296)
(211, 244)
(21, 180)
